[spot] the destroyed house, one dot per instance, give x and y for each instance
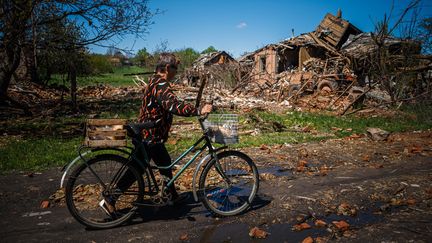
(208, 64)
(362, 45)
(286, 55)
(291, 54)
(212, 58)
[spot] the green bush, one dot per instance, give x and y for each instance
(100, 64)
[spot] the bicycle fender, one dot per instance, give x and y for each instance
(197, 169)
(70, 165)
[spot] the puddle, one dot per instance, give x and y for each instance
(276, 171)
(283, 232)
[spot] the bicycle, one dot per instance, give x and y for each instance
(227, 185)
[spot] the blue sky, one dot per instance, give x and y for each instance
(239, 26)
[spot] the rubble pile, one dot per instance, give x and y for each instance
(336, 67)
(331, 65)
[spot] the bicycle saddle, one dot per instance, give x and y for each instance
(134, 129)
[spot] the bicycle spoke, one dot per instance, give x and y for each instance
(229, 184)
(94, 186)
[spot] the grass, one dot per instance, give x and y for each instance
(116, 78)
(37, 154)
(52, 144)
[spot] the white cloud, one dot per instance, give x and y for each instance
(241, 25)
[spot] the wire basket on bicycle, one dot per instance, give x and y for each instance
(223, 128)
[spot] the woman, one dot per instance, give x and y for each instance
(159, 104)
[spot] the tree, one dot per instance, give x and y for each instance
(209, 49)
(22, 24)
(425, 34)
(384, 66)
(143, 57)
(187, 56)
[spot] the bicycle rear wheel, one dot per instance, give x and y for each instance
(229, 184)
(97, 180)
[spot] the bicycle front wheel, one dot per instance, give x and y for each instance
(99, 180)
(229, 184)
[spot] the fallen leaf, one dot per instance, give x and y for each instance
(301, 165)
(411, 201)
(306, 129)
(264, 147)
(320, 223)
(324, 170)
(258, 233)
(343, 208)
(184, 237)
(267, 176)
(415, 149)
(172, 141)
(308, 240)
(320, 240)
(45, 204)
(354, 136)
(396, 202)
(303, 152)
(366, 158)
(300, 227)
(341, 225)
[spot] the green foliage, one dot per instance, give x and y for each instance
(209, 49)
(143, 58)
(100, 64)
(187, 56)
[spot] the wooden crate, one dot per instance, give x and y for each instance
(105, 133)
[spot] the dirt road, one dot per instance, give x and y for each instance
(343, 190)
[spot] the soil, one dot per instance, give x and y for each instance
(341, 190)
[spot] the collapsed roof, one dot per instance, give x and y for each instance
(218, 57)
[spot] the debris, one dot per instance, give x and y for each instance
(32, 214)
(136, 238)
(306, 198)
(377, 134)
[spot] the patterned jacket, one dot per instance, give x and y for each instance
(158, 105)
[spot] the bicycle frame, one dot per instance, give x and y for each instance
(141, 150)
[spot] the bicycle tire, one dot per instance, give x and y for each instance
(84, 191)
(223, 199)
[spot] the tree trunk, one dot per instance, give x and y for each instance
(73, 90)
(13, 57)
